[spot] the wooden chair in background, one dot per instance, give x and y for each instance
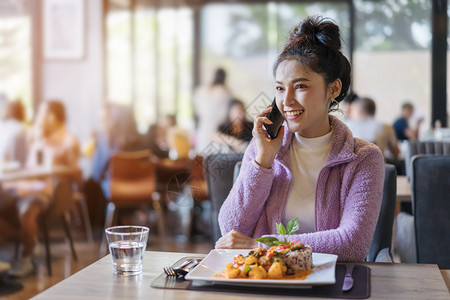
(132, 184)
(60, 207)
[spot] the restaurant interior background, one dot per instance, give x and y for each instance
(152, 54)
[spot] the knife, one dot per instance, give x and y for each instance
(348, 279)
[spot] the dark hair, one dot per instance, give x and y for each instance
(58, 110)
(316, 43)
(407, 105)
(350, 98)
(15, 110)
(219, 77)
(367, 105)
(232, 103)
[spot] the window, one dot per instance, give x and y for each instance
(15, 56)
(245, 40)
(119, 57)
(392, 62)
(149, 60)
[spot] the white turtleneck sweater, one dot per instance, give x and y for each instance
(308, 157)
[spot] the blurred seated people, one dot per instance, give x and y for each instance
(210, 107)
(345, 107)
(236, 132)
(155, 140)
(178, 139)
(13, 135)
(158, 135)
(119, 134)
(51, 145)
(402, 127)
(364, 126)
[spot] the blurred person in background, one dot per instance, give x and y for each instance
(13, 135)
(210, 107)
(402, 128)
(13, 148)
(119, 133)
(175, 138)
(51, 145)
(178, 140)
(364, 126)
(236, 131)
(3, 102)
(345, 106)
(155, 140)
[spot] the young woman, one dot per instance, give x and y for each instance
(314, 170)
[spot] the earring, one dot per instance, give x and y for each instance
(333, 103)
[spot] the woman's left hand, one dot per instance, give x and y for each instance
(236, 240)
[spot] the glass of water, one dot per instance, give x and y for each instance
(127, 246)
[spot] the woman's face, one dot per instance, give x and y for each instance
(303, 98)
(237, 113)
(45, 120)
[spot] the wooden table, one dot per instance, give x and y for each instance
(403, 189)
(97, 281)
(446, 276)
(39, 173)
(403, 193)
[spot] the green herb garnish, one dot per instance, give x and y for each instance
(247, 269)
(292, 227)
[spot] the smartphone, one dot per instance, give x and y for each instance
(277, 119)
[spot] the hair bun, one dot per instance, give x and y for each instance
(317, 30)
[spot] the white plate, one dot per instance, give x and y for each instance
(323, 271)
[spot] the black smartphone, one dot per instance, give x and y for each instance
(277, 119)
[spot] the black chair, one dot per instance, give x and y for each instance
(382, 238)
(219, 170)
(430, 183)
(424, 147)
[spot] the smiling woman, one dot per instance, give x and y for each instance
(314, 170)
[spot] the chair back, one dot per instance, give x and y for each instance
(424, 147)
(430, 182)
(132, 177)
(197, 182)
(382, 237)
(62, 196)
(219, 170)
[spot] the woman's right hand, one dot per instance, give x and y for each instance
(267, 148)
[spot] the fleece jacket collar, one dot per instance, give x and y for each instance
(342, 144)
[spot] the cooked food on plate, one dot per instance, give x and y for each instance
(293, 261)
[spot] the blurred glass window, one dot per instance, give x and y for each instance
(392, 62)
(15, 53)
(149, 63)
(245, 40)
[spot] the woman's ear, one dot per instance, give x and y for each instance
(335, 88)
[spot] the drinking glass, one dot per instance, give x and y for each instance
(127, 246)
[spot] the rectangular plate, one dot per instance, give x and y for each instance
(323, 271)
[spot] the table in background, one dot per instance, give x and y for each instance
(39, 173)
(97, 281)
(403, 192)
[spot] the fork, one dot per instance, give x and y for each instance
(183, 271)
(170, 271)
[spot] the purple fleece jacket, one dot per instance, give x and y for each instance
(348, 196)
